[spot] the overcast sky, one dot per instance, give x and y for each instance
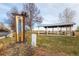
(49, 11)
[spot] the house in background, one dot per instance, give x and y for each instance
(4, 31)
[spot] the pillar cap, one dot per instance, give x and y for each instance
(20, 14)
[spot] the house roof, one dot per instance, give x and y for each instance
(20, 14)
(3, 28)
(56, 25)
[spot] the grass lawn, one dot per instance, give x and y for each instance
(5, 41)
(59, 45)
(46, 45)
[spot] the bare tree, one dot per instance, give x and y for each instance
(12, 17)
(1, 25)
(77, 28)
(34, 14)
(67, 16)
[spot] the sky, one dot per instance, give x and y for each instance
(49, 11)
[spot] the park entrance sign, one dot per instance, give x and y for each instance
(20, 27)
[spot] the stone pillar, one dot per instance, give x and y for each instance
(33, 42)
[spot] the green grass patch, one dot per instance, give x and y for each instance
(53, 45)
(58, 44)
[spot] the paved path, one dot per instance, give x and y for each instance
(16, 50)
(2, 37)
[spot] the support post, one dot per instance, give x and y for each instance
(66, 31)
(47, 31)
(17, 33)
(52, 30)
(70, 31)
(23, 29)
(58, 31)
(38, 30)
